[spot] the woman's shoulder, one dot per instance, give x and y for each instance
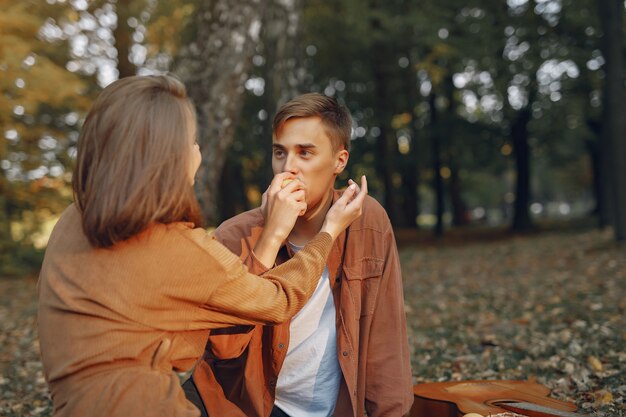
(206, 243)
(188, 233)
(69, 216)
(68, 228)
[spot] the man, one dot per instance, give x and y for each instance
(346, 352)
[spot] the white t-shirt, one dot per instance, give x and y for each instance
(308, 383)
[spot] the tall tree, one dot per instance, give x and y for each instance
(611, 14)
(522, 153)
(281, 70)
(579, 33)
(436, 138)
(275, 78)
(215, 66)
(383, 104)
(122, 35)
(519, 56)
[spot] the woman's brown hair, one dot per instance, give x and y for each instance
(134, 154)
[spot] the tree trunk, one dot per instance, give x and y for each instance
(123, 39)
(383, 165)
(521, 150)
(410, 184)
(281, 32)
(436, 150)
(383, 162)
(215, 68)
(459, 209)
(382, 108)
(599, 189)
(7, 245)
(5, 219)
(232, 191)
(614, 108)
(411, 166)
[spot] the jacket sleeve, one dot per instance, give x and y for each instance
(241, 297)
(388, 387)
(231, 342)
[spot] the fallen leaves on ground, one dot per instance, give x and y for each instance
(548, 307)
(23, 389)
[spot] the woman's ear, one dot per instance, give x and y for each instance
(341, 161)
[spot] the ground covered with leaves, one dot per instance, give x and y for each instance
(548, 307)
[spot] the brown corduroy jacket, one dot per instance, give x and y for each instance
(115, 322)
(240, 367)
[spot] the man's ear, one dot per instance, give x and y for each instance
(341, 161)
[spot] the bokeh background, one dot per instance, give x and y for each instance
(493, 132)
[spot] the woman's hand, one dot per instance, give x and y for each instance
(345, 210)
(282, 203)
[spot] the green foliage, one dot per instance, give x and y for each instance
(40, 103)
(395, 64)
(484, 62)
(169, 27)
(19, 260)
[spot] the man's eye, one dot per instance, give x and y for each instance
(278, 154)
(305, 153)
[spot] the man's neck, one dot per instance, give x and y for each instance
(310, 224)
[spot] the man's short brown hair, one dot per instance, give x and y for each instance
(335, 117)
(134, 158)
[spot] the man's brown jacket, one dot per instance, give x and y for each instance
(239, 370)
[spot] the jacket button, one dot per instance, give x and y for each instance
(344, 353)
(281, 345)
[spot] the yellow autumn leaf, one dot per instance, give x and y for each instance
(595, 364)
(603, 397)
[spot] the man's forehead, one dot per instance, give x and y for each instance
(301, 131)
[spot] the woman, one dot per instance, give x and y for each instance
(130, 283)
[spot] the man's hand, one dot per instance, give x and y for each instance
(282, 203)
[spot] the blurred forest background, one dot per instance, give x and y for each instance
(476, 122)
(493, 113)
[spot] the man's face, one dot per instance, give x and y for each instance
(303, 148)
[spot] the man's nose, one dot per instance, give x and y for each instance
(291, 165)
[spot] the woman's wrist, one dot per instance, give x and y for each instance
(267, 247)
(272, 238)
(330, 229)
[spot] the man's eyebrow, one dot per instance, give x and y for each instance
(299, 145)
(306, 145)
